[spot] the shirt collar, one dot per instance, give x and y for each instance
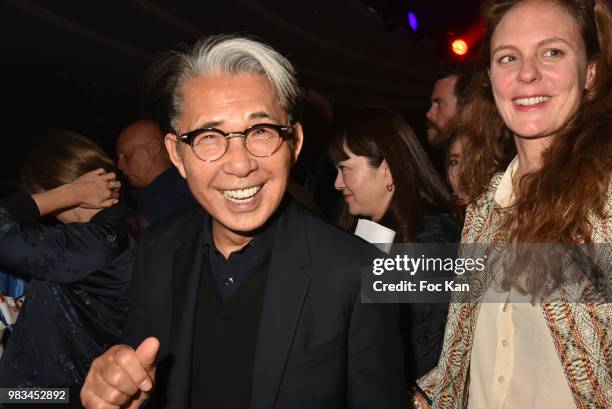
(262, 241)
(504, 195)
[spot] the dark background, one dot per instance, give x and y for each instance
(78, 64)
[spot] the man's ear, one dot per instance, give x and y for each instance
(172, 146)
(155, 148)
(298, 141)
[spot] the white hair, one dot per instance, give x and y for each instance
(226, 54)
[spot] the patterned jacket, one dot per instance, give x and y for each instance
(580, 330)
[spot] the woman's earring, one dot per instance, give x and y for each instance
(390, 187)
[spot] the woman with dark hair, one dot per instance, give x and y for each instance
(384, 175)
(539, 150)
(79, 268)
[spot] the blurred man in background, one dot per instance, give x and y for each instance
(444, 102)
(158, 189)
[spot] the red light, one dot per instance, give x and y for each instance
(459, 47)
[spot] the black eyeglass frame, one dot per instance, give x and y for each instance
(283, 131)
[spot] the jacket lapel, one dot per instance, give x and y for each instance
(286, 289)
(185, 283)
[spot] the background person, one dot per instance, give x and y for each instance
(536, 338)
(447, 100)
(158, 189)
(79, 268)
(454, 166)
(384, 175)
(443, 108)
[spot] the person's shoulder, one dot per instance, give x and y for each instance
(174, 227)
(337, 258)
(480, 210)
(486, 201)
(601, 224)
(325, 238)
(175, 179)
(439, 228)
(488, 196)
(608, 200)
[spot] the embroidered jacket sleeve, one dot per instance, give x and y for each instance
(65, 253)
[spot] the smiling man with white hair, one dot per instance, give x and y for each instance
(248, 301)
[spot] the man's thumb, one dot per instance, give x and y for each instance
(147, 351)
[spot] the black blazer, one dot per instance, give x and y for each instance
(318, 346)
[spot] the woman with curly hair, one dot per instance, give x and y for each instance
(539, 126)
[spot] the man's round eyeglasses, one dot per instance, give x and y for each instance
(260, 140)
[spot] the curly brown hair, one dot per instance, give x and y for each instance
(573, 180)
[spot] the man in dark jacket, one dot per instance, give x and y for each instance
(249, 301)
(158, 191)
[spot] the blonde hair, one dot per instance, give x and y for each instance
(60, 159)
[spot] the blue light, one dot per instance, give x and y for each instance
(412, 21)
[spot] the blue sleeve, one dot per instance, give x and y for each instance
(65, 253)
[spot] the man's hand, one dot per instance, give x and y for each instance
(121, 377)
(95, 189)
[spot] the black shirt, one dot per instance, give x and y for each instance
(230, 273)
(228, 310)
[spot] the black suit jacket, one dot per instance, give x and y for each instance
(318, 346)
